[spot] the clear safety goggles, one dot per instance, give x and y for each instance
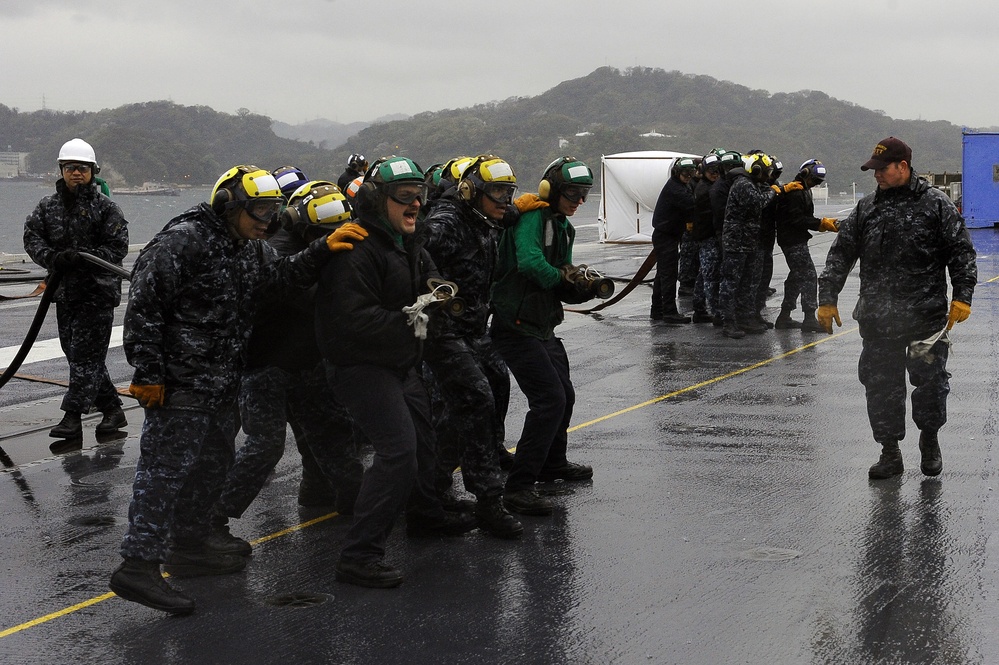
(263, 210)
(404, 193)
(499, 192)
(575, 193)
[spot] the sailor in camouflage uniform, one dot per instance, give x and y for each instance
(907, 237)
(80, 218)
(285, 381)
(461, 235)
(189, 316)
(740, 240)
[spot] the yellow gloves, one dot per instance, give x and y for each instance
(793, 186)
(959, 311)
(337, 241)
(826, 314)
(690, 227)
(829, 224)
(148, 396)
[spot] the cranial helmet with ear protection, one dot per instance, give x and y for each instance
(316, 203)
(757, 165)
(560, 173)
(488, 175)
(383, 175)
(682, 164)
(812, 169)
(241, 184)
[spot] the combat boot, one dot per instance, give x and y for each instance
(448, 524)
(673, 316)
(201, 561)
(811, 324)
(141, 582)
(70, 427)
(571, 472)
(527, 502)
(701, 317)
(931, 463)
(753, 327)
(372, 574)
(493, 518)
(222, 541)
(785, 322)
(732, 331)
(889, 464)
(113, 420)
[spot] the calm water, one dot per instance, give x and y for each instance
(145, 214)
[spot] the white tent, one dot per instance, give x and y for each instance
(630, 183)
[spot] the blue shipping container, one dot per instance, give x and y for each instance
(980, 178)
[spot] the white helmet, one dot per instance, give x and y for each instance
(77, 150)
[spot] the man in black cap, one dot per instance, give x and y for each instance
(907, 236)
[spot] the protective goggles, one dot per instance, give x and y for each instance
(575, 193)
(499, 192)
(404, 193)
(263, 210)
(82, 168)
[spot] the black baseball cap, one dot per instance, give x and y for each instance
(887, 151)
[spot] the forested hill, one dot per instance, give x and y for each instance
(603, 113)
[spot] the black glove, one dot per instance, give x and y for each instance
(67, 259)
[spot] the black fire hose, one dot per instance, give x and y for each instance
(52, 284)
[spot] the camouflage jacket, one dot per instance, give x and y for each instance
(744, 214)
(359, 317)
(464, 249)
(191, 302)
(907, 239)
(88, 222)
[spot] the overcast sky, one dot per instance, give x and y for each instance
(355, 61)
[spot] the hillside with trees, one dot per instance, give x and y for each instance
(604, 112)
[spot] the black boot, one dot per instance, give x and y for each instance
(889, 464)
(201, 561)
(732, 331)
(929, 447)
(221, 540)
(811, 324)
(673, 316)
(141, 582)
(493, 518)
(784, 320)
(70, 427)
(113, 420)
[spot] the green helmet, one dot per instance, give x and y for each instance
(563, 172)
(390, 170)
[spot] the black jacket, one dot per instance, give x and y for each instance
(86, 221)
(674, 208)
(192, 297)
(907, 239)
(359, 317)
(796, 217)
(703, 214)
(718, 195)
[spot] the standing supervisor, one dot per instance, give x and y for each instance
(907, 237)
(79, 218)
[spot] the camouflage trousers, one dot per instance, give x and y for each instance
(183, 459)
(475, 388)
(271, 397)
(84, 334)
(882, 368)
(689, 262)
(706, 287)
(801, 278)
(737, 288)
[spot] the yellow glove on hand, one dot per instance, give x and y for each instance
(959, 311)
(826, 314)
(337, 241)
(148, 396)
(690, 227)
(793, 186)
(829, 224)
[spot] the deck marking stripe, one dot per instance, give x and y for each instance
(323, 518)
(708, 382)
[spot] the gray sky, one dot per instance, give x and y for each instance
(350, 61)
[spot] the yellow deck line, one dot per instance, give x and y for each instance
(298, 527)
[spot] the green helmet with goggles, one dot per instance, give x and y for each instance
(489, 176)
(729, 160)
(250, 188)
(684, 166)
(396, 178)
(317, 202)
(567, 177)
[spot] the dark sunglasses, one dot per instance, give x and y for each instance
(82, 168)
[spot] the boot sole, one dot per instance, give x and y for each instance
(528, 511)
(128, 594)
(347, 578)
(931, 472)
(506, 534)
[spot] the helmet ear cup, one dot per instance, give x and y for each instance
(366, 199)
(544, 189)
(219, 201)
(290, 215)
(466, 190)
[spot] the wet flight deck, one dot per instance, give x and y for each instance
(730, 519)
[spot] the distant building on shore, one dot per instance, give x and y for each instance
(13, 164)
